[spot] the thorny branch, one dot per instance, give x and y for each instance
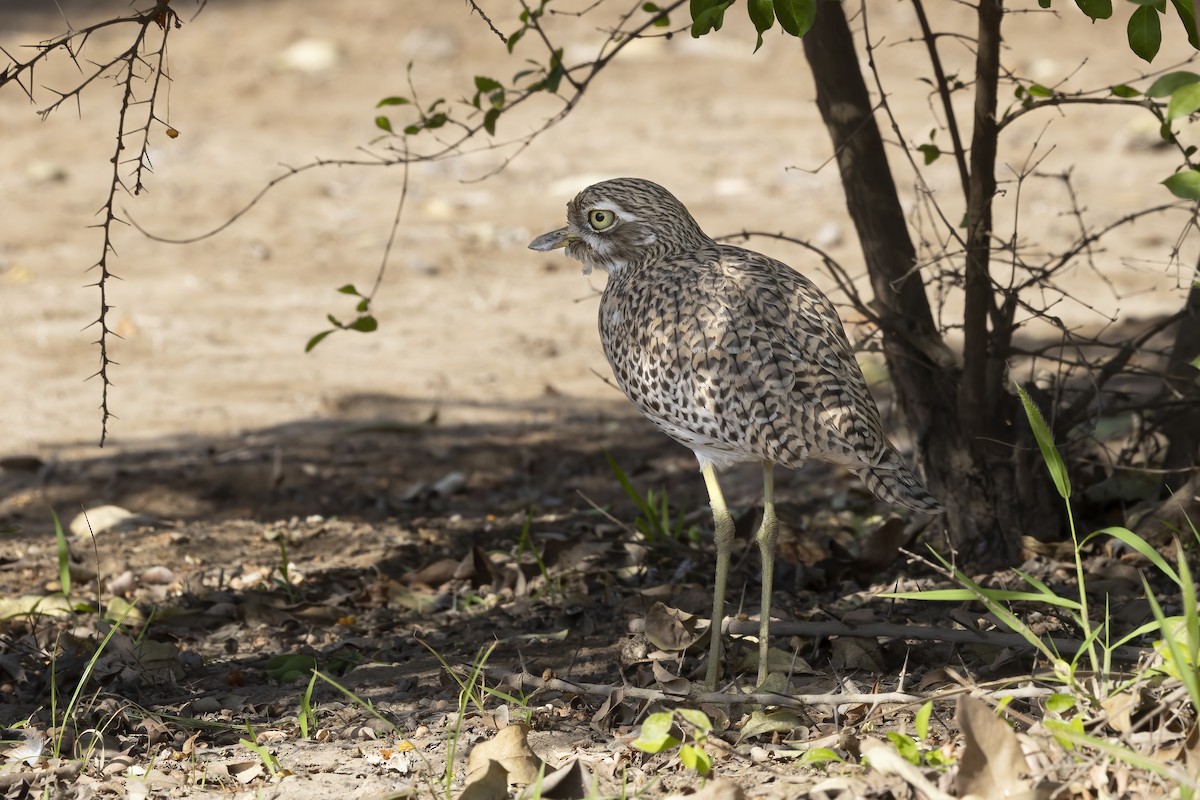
(141, 63)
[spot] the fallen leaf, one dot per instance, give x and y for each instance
(991, 764)
(244, 771)
(881, 549)
(761, 722)
(851, 653)
(779, 662)
(509, 748)
(719, 789)
(490, 783)
(670, 629)
(671, 684)
(568, 782)
(434, 574)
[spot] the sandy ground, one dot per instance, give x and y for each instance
(214, 332)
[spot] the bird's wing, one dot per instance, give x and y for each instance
(812, 360)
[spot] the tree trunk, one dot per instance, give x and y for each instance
(1182, 385)
(954, 431)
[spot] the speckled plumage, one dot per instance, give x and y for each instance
(729, 352)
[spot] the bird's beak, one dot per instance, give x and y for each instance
(552, 240)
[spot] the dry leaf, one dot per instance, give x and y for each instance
(669, 683)
(850, 654)
(670, 629)
(1118, 708)
(719, 789)
(434, 574)
(992, 764)
(510, 748)
(569, 782)
(244, 771)
(775, 722)
(490, 783)
(881, 549)
(779, 662)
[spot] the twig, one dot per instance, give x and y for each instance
(798, 701)
(886, 630)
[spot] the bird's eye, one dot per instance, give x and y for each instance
(601, 218)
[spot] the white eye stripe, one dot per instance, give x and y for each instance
(622, 214)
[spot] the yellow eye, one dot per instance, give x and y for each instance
(601, 218)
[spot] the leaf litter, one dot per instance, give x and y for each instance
(230, 601)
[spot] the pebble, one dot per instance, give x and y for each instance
(309, 56)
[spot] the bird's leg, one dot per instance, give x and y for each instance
(723, 536)
(767, 534)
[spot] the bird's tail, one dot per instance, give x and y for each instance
(893, 482)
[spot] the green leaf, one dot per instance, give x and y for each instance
(348, 289)
(930, 152)
(796, 16)
(1196, 362)
(316, 340)
(1095, 9)
(384, 123)
(697, 719)
(1145, 33)
(484, 84)
(1122, 90)
(1184, 184)
(695, 759)
(820, 755)
(1059, 702)
(1044, 3)
(556, 72)
(364, 324)
(393, 101)
(513, 39)
(1169, 83)
(1050, 454)
(436, 121)
(363, 305)
(1037, 90)
(762, 14)
(906, 747)
(489, 120)
(921, 721)
(289, 667)
(656, 733)
(1187, 16)
(708, 15)
(1183, 102)
(662, 20)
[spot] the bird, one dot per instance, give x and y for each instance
(731, 353)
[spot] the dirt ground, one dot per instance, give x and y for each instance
(412, 473)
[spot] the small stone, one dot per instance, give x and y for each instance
(309, 56)
(99, 519)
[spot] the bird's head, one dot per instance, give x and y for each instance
(624, 222)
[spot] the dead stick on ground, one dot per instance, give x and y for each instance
(525, 680)
(885, 630)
